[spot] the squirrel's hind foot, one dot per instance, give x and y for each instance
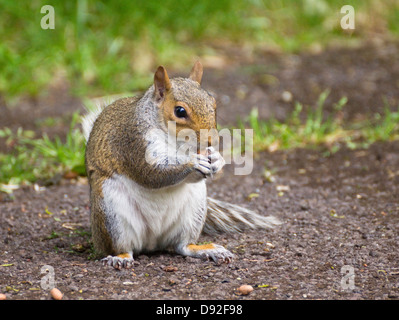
(121, 261)
(217, 253)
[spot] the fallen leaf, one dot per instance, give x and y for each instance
(170, 269)
(70, 175)
(334, 214)
(282, 188)
(78, 247)
(252, 195)
(71, 225)
(274, 146)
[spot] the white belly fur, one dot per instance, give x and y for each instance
(151, 219)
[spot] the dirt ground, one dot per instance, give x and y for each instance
(339, 239)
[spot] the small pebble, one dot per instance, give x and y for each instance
(245, 289)
(286, 96)
(3, 296)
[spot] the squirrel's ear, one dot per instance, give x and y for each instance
(161, 82)
(196, 72)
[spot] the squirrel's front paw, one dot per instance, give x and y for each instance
(216, 160)
(120, 261)
(202, 164)
(210, 164)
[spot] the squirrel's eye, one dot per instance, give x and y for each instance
(180, 112)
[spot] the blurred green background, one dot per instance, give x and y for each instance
(105, 47)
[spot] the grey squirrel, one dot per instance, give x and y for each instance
(140, 200)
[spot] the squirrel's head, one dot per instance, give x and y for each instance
(183, 101)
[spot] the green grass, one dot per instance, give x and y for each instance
(107, 47)
(104, 47)
(382, 127)
(295, 133)
(319, 130)
(34, 159)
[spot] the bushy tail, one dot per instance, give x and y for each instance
(223, 217)
(90, 117)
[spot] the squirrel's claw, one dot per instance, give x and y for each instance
(201, 164)
(118, 262)
(211, 164)
(217, 253)
(222, 255)
(217, 162)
